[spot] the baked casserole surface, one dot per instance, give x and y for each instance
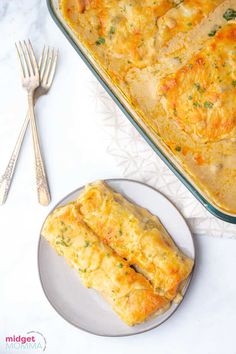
(175, 63)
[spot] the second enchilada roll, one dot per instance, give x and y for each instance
(136, 235)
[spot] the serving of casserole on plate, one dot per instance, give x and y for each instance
(122, 251)
(170, 65)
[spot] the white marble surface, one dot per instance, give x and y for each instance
(75, 145)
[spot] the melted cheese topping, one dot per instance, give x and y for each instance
(183, 18)
(174, 62)
(136, 235)
(200, 96)
(129, 293)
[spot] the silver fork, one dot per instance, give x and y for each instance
(47, 68)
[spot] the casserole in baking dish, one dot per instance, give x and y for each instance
(171, 66)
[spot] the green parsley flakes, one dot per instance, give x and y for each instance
(208, 104)
(213, 31)
(229, 14)
(86, 244)
(100, 41)
(198, 87)
(112, 30)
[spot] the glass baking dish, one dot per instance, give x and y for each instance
(152, 139)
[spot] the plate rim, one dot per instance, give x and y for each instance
(125, 334)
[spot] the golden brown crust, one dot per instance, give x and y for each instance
(136, 235)
(200, 96)
(129, 293)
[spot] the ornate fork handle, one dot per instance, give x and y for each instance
(7, 177)
(41, 177)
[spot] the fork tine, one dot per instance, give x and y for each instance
(40, 62)
(22, 63)
(27, 59)
(24, 59)
(48, 66)
(33, 61)
(53, 67)
(44, 62)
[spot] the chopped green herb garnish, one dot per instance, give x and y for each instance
(179, 59)
(178, 148)
(234, 83)
(120, 265)
(82, 270)
(60, 240)
(189, 24)
(197, 85)
(213, 31)
(158, 289)
(100, 40)
(120, 232)
(112, 30)
(208, 104)
(190, 97)
(196, 104)
(86, 244)
(229, 14)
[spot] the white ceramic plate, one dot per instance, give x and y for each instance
(85, 308)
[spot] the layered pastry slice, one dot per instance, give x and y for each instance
(129, 293)
(136, 235)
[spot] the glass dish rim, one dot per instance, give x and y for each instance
(186, 182)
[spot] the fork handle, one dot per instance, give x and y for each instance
(41, 177)
(7, 177)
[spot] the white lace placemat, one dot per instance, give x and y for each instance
(137, 160)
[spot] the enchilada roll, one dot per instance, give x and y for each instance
(136, 235)
(129, 293)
